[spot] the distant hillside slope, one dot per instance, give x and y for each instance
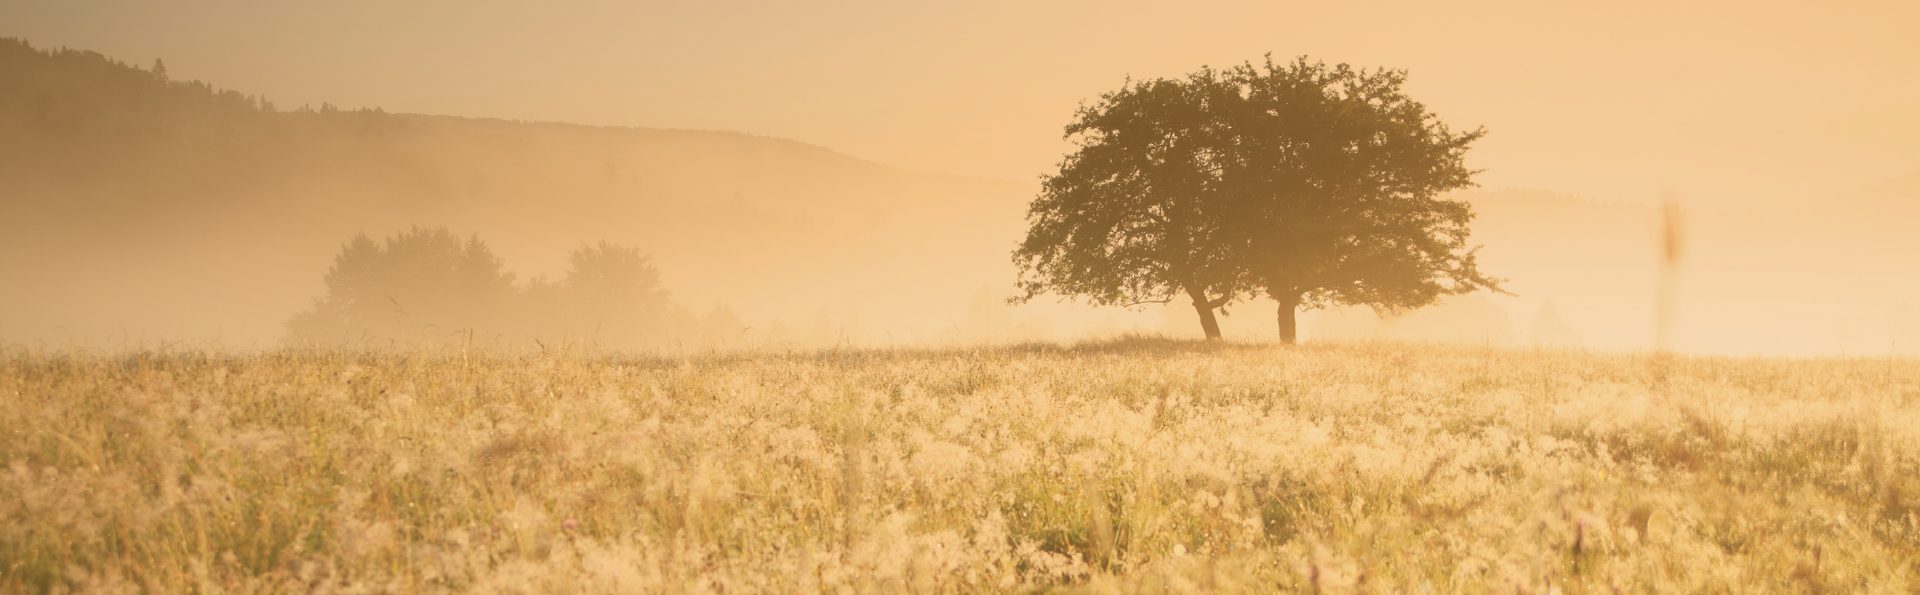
(137, 208)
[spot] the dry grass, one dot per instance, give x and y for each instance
(1126, 466)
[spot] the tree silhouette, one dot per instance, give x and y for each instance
(425, 284)
(1309, 184)
(1334, 190)
(614, 293)
(1127, 219)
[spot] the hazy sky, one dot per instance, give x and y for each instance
(1730, 102)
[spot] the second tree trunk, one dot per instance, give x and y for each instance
(1289, 332)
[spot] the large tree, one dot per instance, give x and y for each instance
(1310, 184)
(1125, 220)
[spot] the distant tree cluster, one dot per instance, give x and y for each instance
(1309, 184)
(429, 286)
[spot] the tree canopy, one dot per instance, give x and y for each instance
(1127, 218)
(1310, 184)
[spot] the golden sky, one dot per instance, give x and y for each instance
(1716, 101)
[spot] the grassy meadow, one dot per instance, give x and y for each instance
(1125, 466)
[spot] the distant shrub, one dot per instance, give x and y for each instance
(427, 285)
(424, 284)
(612, 295)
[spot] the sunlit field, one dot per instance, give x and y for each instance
(1129, 466)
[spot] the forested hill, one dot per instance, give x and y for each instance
(138, 208)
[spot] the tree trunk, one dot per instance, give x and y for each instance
(1288, 330)
(1208, 323)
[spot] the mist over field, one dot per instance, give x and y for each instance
(142, 210)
